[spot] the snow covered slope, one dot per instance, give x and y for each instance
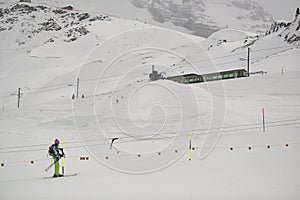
(155, 122)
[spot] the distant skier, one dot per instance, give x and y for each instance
(56, 154)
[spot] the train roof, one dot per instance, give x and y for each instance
(216, 72)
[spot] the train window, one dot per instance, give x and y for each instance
(215, 77)
(230, 75)
(225, 76)
(220, 77)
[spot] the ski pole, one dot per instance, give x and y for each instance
(47, 169)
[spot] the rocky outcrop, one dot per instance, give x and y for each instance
(31, 21)
(290, 31)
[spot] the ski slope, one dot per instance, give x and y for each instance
(232, 158)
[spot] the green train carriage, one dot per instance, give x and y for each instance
(196, 78)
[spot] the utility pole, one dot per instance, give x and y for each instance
(19, 97)
(77, 88)
(248, 62)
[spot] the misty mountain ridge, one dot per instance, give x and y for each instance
(204, 17)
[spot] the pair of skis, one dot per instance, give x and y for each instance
(66, 176)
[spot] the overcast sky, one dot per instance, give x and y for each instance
(280, 9)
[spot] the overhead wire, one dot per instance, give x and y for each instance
(124, 139)
(172, 68)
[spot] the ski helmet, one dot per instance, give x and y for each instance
(56, 142)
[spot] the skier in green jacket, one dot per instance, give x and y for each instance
(56, 154)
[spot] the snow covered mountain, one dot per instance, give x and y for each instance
(290, 31)
(198, 17)
(203, 17)
(45, 49)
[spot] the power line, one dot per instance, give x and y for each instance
(229, 62)
(49, 90)
(87, 96)
(49, 86)
(225, 129)
(280, 47)
(64, 85)
(200, 61)
(195, 61)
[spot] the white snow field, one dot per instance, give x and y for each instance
(231, 156)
